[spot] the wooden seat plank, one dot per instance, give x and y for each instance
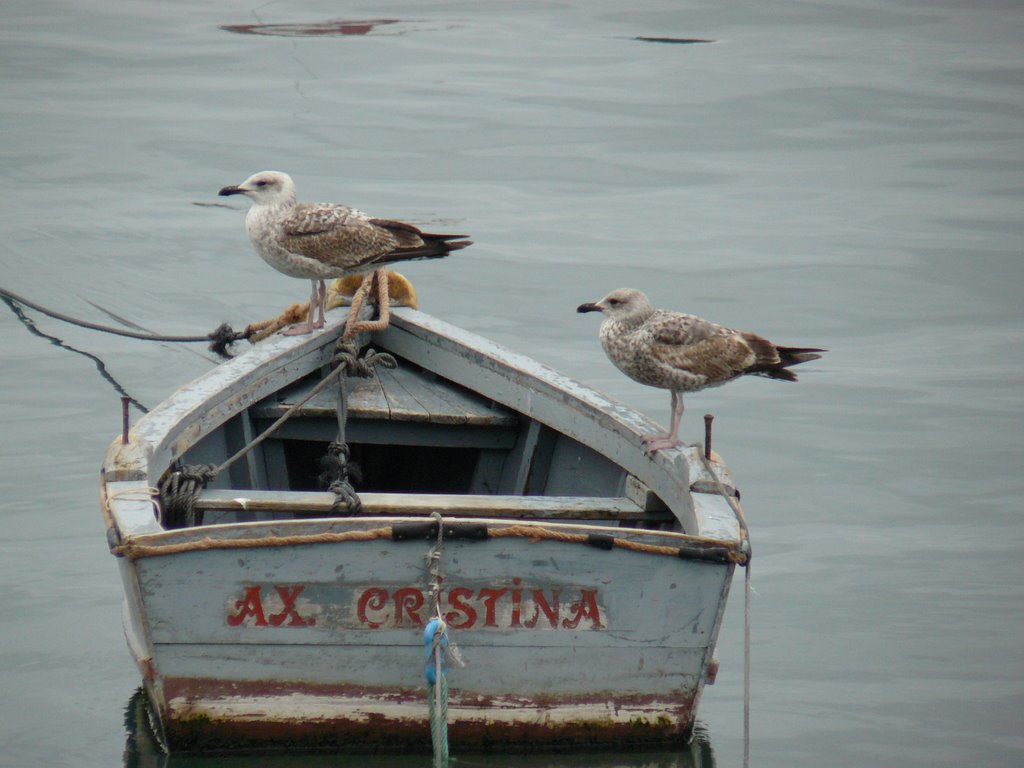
(314, 503)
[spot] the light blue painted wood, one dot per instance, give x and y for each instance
(534, 618)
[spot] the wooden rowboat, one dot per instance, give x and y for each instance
(583, 582)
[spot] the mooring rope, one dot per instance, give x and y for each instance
(746, 667)
(101, 366)
(433, 558)
(747, 592)
(219, 339)
(435, 638)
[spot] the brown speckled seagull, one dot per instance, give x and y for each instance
(319, 241)
(684, 353)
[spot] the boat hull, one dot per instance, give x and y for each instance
(320, 644)
(582, 581)
(206, 715)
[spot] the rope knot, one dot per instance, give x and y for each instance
(223, 337)
(335, 476)
(348, 357)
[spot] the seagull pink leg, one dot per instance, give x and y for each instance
(321, 303)
(658, 441)
(300, 329)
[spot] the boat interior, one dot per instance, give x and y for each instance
(418, 443)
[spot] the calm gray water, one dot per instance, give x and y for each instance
(839, 174)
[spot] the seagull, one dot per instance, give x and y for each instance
(684, 353)
(319, 241)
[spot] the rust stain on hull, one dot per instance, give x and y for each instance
(204, 715)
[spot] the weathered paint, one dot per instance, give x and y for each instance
(318, 644)
(562, 643)
(207, 714)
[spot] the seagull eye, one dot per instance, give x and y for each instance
(614, 302)
(262, 183)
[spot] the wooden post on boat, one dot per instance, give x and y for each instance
(708, 418)
(125, 403)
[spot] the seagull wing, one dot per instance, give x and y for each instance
(697, 346)
(407, 235)
(341, 236)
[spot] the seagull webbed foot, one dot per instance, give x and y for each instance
(658, 442)
(300, 329)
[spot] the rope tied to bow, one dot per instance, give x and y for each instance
(337, 467)
(219, 339)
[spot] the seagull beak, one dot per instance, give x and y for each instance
(231, 191)
(588, 307)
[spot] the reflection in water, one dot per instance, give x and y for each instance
(365, 26)
(142, 750)
(318, 29)
(141, 747)
(675, 40)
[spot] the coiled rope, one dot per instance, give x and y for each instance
(178, 492)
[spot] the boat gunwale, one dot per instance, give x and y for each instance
(200, 532)
(686, 547)
(667, 472)
(184, 418)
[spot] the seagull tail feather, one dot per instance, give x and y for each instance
(788, 356)
(447, 242)
(432, 247)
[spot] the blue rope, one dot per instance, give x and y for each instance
(435, 641)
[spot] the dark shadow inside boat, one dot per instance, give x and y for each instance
(386, 468)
